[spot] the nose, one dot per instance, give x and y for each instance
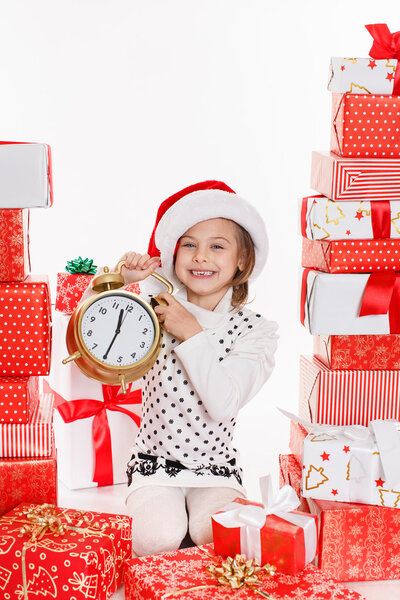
(200, 256)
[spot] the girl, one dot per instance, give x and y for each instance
(215, 356)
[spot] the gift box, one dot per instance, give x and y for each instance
(95, 425)
(298, 434)
(365, 125)
(18, 398)
(343, 178)
(362, 75)
(27, 480)
(32, 439)
(14, 244)
(351, 256)
(346, 397)
(25, 326)
(70, 289)
(351, 303)
(290, 474)
(358, 351)
(324, 219)
(25, 175)
(357, 542)
(63, 554)
(353, 463)
(272, 532)
(165, 575)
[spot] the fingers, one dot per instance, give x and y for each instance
(134, 260)
(167, 297)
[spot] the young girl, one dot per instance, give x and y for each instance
(215, 356)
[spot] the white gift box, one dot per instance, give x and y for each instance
(361, 75)
(74, 440)
(25, 175)
(331, 305)
(324, 219)
(353, 464)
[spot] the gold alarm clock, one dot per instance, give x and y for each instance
(115, 336)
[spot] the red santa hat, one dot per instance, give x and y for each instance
(200, 202)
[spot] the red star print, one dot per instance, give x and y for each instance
(346, 449)
(379, 482)
(343, 67)
(359, 215)
(304, 466)
(334, 492)
(390, 76)
(372, 64)
(348, 232)
(325, 456)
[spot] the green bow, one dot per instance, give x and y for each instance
(81, 265)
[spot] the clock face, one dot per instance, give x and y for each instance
(117, 330)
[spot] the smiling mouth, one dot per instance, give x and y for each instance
(202, 274)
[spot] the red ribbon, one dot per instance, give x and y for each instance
(303, 295)
(84, 408)
(382, 296)
(380, 219)
(386, 45)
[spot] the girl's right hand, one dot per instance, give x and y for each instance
(138, 266)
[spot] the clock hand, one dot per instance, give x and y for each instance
(117, 331)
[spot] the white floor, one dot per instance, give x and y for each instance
(255, 461)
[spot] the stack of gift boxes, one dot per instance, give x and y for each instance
(346, 463)
(28, 468)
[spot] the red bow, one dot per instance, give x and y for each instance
(83, 408)
(382, 296)
(386, 45)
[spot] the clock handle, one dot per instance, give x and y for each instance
(156, 301)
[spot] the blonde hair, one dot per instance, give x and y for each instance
(240, 291)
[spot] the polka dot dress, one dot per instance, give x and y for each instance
(178, 442)
(366, 125)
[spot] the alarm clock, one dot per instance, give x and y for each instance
(115, 336)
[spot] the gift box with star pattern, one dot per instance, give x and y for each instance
(362, 75)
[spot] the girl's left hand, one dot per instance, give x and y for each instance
(175, 319)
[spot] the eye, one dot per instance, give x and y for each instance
(188, 245)
(217, 246)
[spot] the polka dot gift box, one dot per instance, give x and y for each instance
(18, 398)
(365, 125)
(25, 327)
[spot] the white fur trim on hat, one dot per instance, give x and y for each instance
(209, 204)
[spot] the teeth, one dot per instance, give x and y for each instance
(202, 272)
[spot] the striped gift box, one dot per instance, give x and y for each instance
(33, 439)
(341, 178)
(346, 397)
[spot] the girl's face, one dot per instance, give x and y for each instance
(207, 259)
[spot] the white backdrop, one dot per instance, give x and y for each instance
(141, 98)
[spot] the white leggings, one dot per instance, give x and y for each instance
(161, 515)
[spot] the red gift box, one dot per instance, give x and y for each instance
(343, 178)
(32, 439)
(14, 244)
(351, 256)
(288, 545)
(381, 352)
(347, 397)
(70, 289)
(25, 321)
(19, 397)
(298, 434)
(85, 561)
(365, 125)
(290, 474)
(27, 480)
(357, 542)
(154, 577)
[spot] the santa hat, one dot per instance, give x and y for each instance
(199, 202)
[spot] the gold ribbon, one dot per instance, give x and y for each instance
(235, 572)
(41, 519)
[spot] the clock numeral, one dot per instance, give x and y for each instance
(133, 354)
(94, 345)
(142, 344)
(102, 310)
(92, 319)
(119, 359)
(115, 305)
(145, 330)
(129, 308)
(140, 317)
(89, 333)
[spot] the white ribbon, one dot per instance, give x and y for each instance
(384, 433)
(251, 519)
